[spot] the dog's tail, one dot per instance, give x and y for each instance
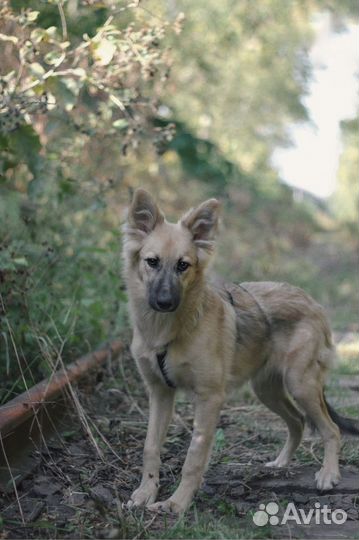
(346, 425)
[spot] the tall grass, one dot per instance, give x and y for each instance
(61, 292)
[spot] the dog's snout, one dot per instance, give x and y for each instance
(164, 293)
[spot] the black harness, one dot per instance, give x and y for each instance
(161, 361)
(231, 301)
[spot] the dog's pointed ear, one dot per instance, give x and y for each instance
(202, 222)
(144, 214)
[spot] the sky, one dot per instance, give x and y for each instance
(312, 162)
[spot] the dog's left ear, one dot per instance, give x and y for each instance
(203, 223)
(144, 213)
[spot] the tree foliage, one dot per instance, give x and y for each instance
(104, 83)
(345, 201)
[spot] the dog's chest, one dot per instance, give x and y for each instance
(175, 368)
(167, 365)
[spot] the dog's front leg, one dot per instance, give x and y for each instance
(207, 410)
(161, 410)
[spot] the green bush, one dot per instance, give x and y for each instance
(78, 84)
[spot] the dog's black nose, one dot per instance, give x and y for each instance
(165, 304)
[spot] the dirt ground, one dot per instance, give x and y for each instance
(77, 482)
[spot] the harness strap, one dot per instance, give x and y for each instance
(258, 304)
(230, 297)
(161, 360)
(261, 309)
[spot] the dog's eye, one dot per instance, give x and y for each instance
(182, 266)
(153, 262)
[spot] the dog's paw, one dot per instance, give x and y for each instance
(326, 479)
(278, 463)
(143, 496)
(167, 507)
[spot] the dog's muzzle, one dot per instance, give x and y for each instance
(165, 293)
(164, 304)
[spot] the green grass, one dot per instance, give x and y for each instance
(204, 525)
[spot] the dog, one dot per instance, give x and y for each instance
(204, 337)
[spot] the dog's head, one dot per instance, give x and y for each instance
(167, 258)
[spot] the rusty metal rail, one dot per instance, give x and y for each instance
(19, 409)
(38, 413)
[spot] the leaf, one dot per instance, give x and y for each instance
(65, 90)
(21, 261)
(32, 15)
(37, 35)
(53, 57)
(220, 439)
(79, 72)
(25, 144)
(6, 264)
(120, 124)
(41, 34)
(4, 142)
(36, 69)
(103, 52)
(67, 186)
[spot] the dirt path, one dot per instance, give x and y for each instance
(295, 485)
(80, 479)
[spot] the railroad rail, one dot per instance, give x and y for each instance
(25, 419)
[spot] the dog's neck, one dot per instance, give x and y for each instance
(160, 329)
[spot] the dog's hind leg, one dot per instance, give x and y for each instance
(271, 391)
(308, 393)
(307, 364)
